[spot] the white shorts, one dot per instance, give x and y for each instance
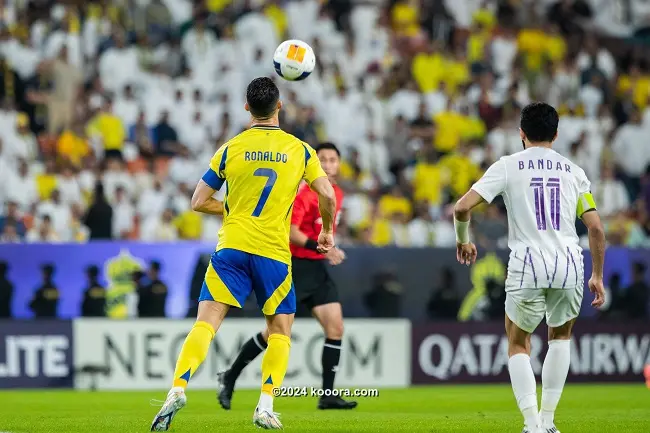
(526, 307)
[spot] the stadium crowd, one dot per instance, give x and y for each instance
(111, 110)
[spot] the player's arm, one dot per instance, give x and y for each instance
(211, 182)
(202, 200)
(486, 189)
(589, 215)
(326, 202)
(300, 207)
(320, 184)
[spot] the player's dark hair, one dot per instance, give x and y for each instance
(328, 146)
(262, 96)
(539, 122)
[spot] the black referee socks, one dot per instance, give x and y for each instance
(248, 352)
(330, 361)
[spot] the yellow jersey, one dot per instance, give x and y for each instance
(262, 169)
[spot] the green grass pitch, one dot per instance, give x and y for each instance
(435, 409)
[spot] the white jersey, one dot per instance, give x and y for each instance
(543, 192)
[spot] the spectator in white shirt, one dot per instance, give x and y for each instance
(591, 96)
(123, 215)
(603, 58)
(632, 152)
(182, 168)
(43, 232)
(504, 52)
(21, 187)
(58, 211)
(118, 66)
(127, 107)
(68, 186)
(20, 142)
(194, 135)
(444, 230)
(114, 177)
(153, 202)
(610, 193)
(342, 119)
(198, 45)
(9, 234)
(373, 157)
(160, 229)
(405, 102)
(421, 228)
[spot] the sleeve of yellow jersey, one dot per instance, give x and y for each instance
(215, 176)
(313, 169)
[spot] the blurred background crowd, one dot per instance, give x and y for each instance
(110, 110)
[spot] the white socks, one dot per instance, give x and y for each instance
(525, 388)
(554, 373)
(266, 402)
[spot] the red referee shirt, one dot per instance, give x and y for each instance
(307, 217)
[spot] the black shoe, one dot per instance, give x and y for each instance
(226, 389)
(335, 402)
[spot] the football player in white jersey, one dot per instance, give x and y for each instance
(544, 193)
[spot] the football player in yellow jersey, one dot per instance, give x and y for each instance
(261, 169)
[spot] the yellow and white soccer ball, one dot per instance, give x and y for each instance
(294, 60)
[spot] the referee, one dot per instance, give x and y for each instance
(315, 289)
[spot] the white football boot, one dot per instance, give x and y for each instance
(265, 419)
(176, 400)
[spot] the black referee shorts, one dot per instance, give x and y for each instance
(313, 285)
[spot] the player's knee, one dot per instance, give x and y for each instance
(334, 330)
(279, 324)
(561, 332)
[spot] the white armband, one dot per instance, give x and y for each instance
(462, 231)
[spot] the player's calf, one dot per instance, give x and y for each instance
(522, 376)
(554, 373)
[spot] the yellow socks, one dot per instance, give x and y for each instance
(195, 349)
(274, 365)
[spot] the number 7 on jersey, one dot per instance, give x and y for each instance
(271, 176)
(553, 186)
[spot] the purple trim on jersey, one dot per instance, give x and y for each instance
(532, 266)
(566, 277)
(545, 268)
(521, 282)
(575, 268)
(550, 283)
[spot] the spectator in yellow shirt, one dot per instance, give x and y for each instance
(217, 5)
(531, 43)
(189, 225)
(463, 172)
(427, 68)
(405, 18)
(429, 180)
(449, 126)
(393, 202)
(637, 83)
(275, 13)
(72, 145)
(555, 44)
(456, 73)
(46, 181)
(108, 128)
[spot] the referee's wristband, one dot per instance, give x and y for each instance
(462, 231)
(311, 245)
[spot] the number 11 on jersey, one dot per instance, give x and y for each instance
(553, 187)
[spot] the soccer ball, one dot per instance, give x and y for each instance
(294, 60)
